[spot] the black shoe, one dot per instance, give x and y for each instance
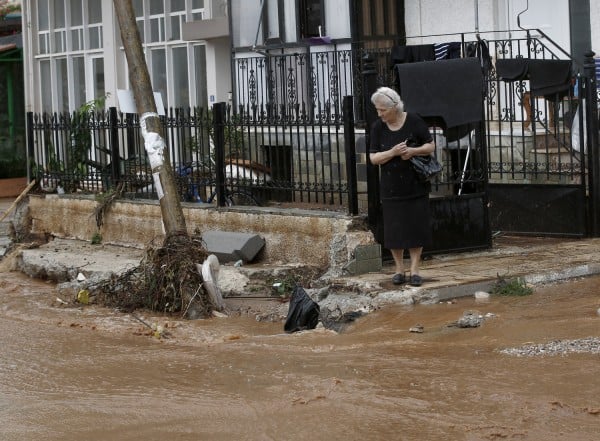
(398, 279)
(416, 280)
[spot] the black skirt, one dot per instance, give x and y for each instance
(406, 223)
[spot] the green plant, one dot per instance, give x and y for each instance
(511, 287)
(81, 135)
(96, 238)
(282, 286)
(233, 135)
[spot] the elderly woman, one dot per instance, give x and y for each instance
(396, 137)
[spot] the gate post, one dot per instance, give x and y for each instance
(350, 150)
(593, 155)
(219, 110)
(369, 82)
(31, 159)
(115, 151)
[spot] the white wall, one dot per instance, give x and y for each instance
(438, 17)
(218, 78)
(595, 23)
(113, 69)
(337, 16)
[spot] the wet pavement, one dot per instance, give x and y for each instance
(535, 259)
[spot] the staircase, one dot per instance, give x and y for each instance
(519, 155)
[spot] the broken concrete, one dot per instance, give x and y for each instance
(326, 240)
(231, 246)
(249, 288)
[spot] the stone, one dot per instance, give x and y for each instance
(230, 246)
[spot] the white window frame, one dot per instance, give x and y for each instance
(55, 45)
(167, 43)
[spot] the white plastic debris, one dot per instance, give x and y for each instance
(210, 275)
(80, 277)
(482, 295)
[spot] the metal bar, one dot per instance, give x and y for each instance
(219, 110)
(350, 152)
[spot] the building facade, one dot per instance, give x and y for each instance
(74, 55)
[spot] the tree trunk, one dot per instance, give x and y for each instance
(152, 130)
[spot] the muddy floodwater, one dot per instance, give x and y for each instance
(69, 373)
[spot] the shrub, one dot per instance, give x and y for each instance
(511, 287)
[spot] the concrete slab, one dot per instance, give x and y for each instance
(231, 246)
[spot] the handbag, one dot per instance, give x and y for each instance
(426, 167)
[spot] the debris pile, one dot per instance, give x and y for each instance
(167, 280)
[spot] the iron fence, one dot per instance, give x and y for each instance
(274, 160)
(528, 138)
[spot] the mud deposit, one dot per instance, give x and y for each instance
(70, 373)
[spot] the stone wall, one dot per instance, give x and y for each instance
(326, 240)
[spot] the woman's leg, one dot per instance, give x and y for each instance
(415, 260)
(398, 256)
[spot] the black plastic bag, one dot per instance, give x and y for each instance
(303, 312)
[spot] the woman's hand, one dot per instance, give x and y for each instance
(405, 152)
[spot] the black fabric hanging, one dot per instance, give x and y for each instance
(546, 77)
(450, 91)
(412, 53)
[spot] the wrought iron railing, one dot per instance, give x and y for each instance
(265, 160)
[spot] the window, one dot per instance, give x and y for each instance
(70, 56)
(177, 18)
(43, 27)
(78, 82)
(381, 18)
(271, 20)
(138, 8)
(158, 66)
(46, 86)
(197, 10)
(256, 23)
(62, 85)
(69, 31)
(311, 18)
(60, 31)
(218, 8)
(157, 20)
(98, 77)
(170, 62)
(76, 12)
(180, 83)
(200, 71)
(95, 24)
(245, 21)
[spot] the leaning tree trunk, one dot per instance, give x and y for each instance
(152, 130)
(168, 280)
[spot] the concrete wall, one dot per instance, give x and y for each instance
(309, 238)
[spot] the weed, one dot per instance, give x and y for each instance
(96, 238)
(511, 287)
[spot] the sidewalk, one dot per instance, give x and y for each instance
(536, 259)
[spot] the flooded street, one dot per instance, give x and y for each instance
(91, 374)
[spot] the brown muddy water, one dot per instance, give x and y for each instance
(70, 373)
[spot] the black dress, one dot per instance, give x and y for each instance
(404, 199)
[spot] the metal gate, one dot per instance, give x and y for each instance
(531, 167)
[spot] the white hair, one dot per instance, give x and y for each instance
(388, 97)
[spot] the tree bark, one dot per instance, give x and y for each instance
(152, 129)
